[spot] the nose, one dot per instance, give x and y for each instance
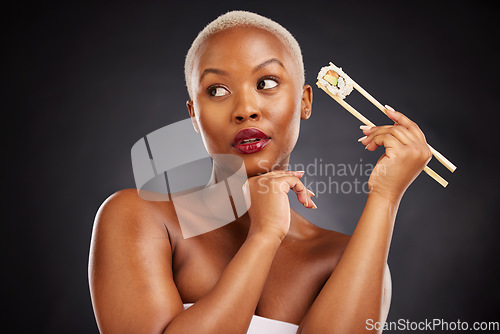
(246, 109)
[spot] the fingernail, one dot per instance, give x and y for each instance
(365, 127)
(311, 193)
(300, 172)
(366, 147)
(362, 138)
(314, 205)
(389, 108)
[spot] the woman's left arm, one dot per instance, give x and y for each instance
(357, 295)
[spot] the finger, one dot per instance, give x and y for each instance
(303, 194)
(400, 132)
(310, 203)
(277, 173)
(387, 140)
(401, 119)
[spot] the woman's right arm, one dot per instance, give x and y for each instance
(130, 268)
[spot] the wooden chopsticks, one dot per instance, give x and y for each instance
(365, 121)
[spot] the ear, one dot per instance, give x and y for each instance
(190, 106)
(306, 103)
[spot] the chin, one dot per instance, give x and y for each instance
(261, 165)
(261, 162)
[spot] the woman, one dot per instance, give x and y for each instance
(245, 79)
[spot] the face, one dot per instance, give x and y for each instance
(247, 98)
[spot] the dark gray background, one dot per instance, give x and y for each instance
(84, 82)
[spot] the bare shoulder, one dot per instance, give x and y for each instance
(130, 258)
(125, 211)
(125, 223)
(128, 203)
(126, 219)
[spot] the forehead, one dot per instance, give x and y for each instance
(242, 45)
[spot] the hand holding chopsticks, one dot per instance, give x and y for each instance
(337, 84)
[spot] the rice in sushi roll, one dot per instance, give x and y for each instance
(336, 81)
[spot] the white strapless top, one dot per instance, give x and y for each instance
(261, 325)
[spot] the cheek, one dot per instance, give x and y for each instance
(211, 123)
(287, 115)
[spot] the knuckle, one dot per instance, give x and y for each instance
(426, 153)
(283, 187)
(412, 124)
(397, 130)
(420, 152)
(423, 135)
(411, 152)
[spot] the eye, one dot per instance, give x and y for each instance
(267, 83)
(217, 91)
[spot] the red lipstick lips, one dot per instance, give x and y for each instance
(250, 140)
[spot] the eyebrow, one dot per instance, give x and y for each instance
(212, 70)
(267, 62)
(256, 68)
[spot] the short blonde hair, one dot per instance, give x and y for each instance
(240, 18)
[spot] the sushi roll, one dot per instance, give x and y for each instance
(336, 81)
